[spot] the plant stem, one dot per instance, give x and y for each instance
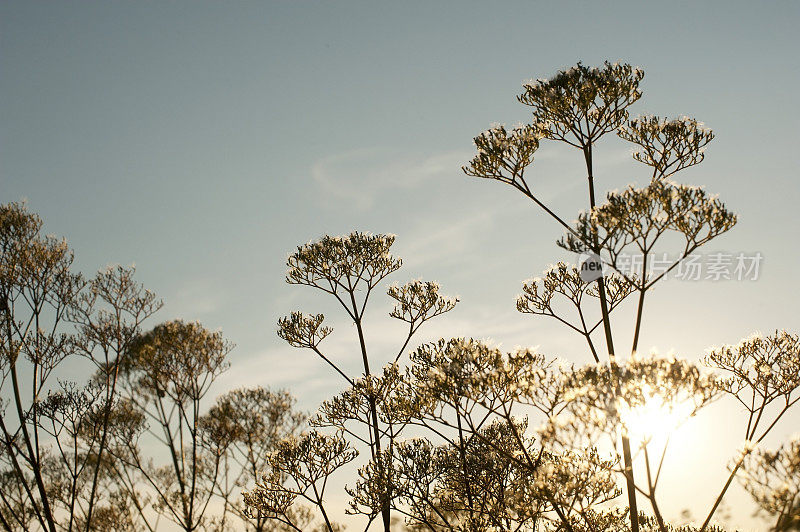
(385, 510)
(626, 444)
(722, 493)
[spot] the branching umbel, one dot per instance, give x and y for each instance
(636, 218)
(773, 479)
(165, 377)
(667, 146)
(55, 443)
(503, 155)
(299, 468)
(476, 399)
(458, 435)
(349, 268)
(244, 427)
(342, 265)
(581, 104)
(540, 296)
(578, 106)
(761, 371)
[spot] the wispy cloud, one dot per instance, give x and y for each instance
(363, 176)
(195, 298)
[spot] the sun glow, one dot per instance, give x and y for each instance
(655, 420)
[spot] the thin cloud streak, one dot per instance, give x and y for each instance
(362, 177)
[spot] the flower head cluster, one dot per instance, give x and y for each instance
(449, 371)
(601, 398)
(110, 312)
(538, 292)
(773, 479)
(577, 482)
(302, 330)
(176, 359)
(299, 465)
(475, 484)
(254, 419)
(766, 366)
(336, 262)
(390, 391)
(583, 103)
(668, 146)
(418, 301)
(503, 155)
(640, 216)
(561, 278)
(72, 410)
(465, 375)
(37, 287)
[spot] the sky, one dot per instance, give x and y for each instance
(204, 141)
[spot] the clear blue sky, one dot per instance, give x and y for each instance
(202, 141)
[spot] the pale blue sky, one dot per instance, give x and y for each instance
(204, 140)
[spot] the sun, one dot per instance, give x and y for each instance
(654, 421)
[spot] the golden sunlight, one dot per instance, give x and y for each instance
(655, 421)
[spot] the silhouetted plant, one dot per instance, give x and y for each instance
(245, 426)
(578, 106)
(350, 268)
(471, 395)
(166, 376)
(761, 370)
(299, 468)
(457, 436)
(71, 453)
(773, 479)
(54, 443)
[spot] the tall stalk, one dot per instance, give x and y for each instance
(626, 444)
